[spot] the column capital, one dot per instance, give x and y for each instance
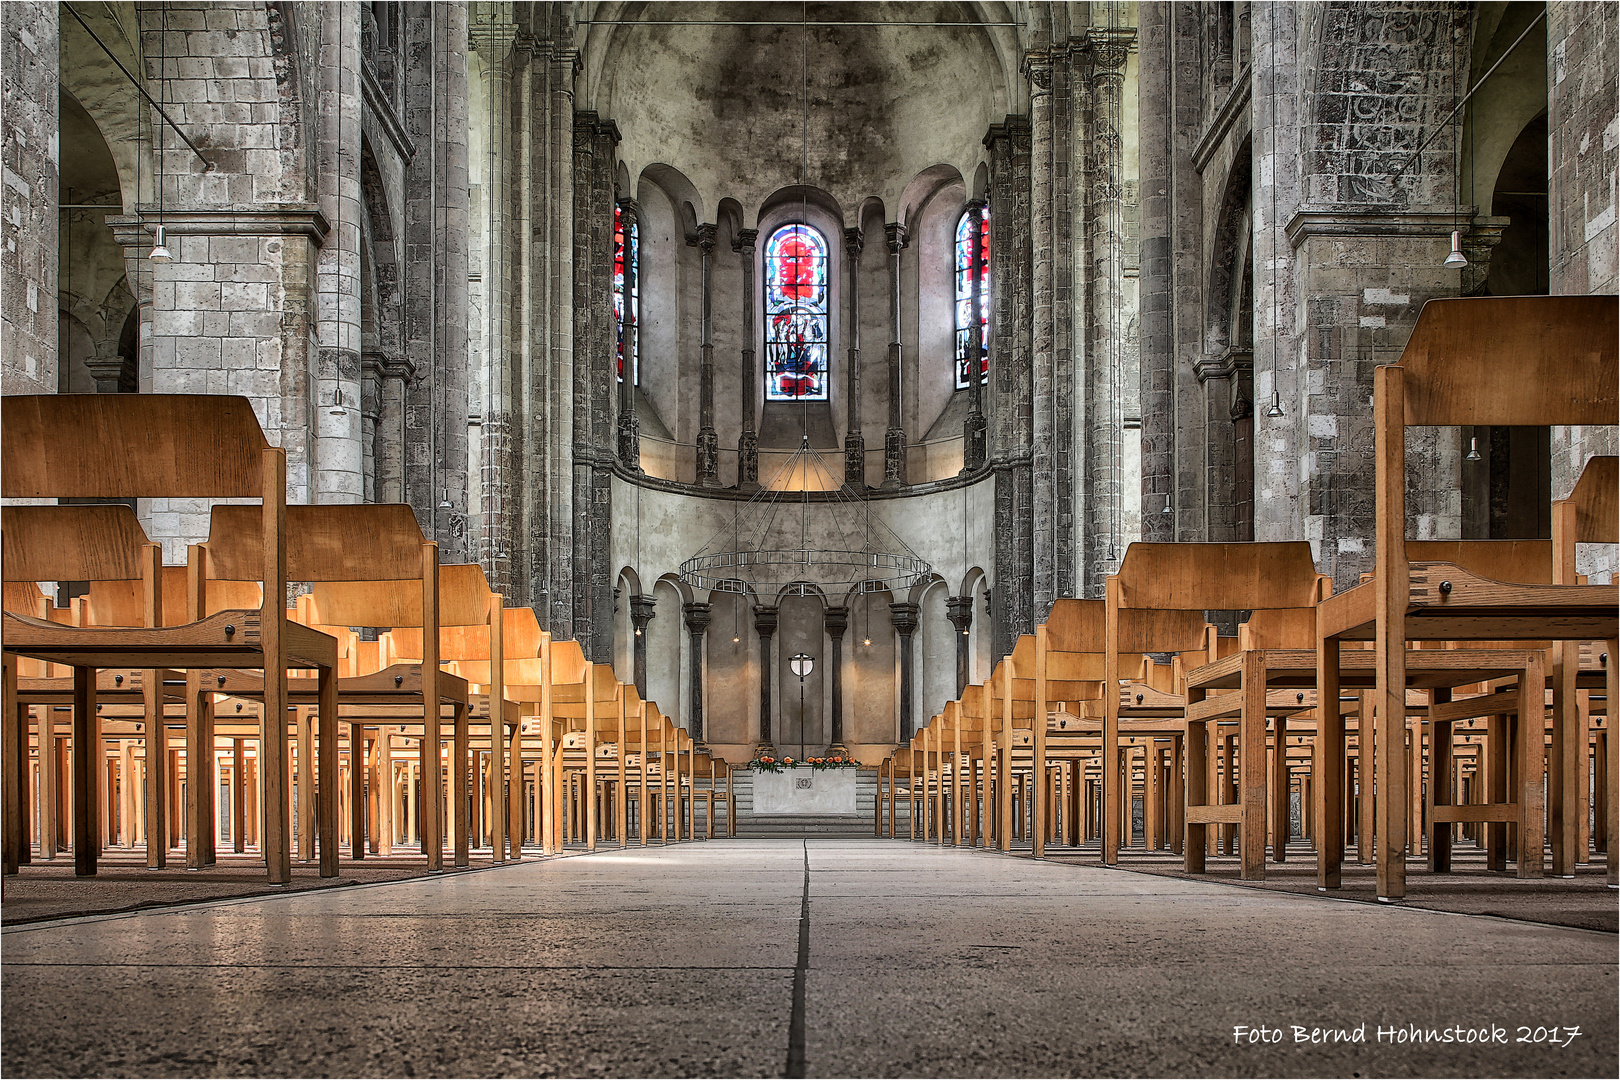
(1038, 69)
(835, 620)
(959, 609)
(854, 241)
(765, 619)
(743, 243)
(895, 234)
(641, 610)
(697, 616)
(977, 205)
(629, 211)
(903, 617)
(706, 237)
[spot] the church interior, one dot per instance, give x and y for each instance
(752, 515)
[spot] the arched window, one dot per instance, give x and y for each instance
(796, 315)
(964, 295)
(624, 260)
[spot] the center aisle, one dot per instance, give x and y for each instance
(682, 961)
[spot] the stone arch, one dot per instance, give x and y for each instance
(1379, 77)
(923, 187)
(933, 649)
(669, 663)
(1230, 246)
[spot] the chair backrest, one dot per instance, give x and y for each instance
(349, 542)
(1523, 562)
(120, 446)
(72, 543)
(1596, 500)
(1530, 361)
(1217, 576)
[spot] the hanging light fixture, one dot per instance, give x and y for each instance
(160, 251)
(1167, 512)
(1473, 449)
(338, 408)
(1275, 409)
(1456, 260)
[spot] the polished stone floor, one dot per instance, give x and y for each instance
(818, 958)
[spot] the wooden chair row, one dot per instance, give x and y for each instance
(1462, 629)
(218, 627)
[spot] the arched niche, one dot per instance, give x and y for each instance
(668, 663)
(627, 587)
(669, 279)
(871, 674)
(981, 637)
(731, 695)
(94, 298)
(801, 728)
(934, 653)
(940, 409)
(783, 424)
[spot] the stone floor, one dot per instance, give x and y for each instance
(1586, 901)
(816, 958)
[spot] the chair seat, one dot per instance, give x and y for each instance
(228, 639)
(1447, 603)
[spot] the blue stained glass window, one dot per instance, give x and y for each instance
(624, 258)
(964, 296)
(796, 315)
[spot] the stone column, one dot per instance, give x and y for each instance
(1039, 70)
(629, 423)
(835, 621)
(1101, 533)
(904, 619)
(30, 223)
(1011, 416)
(697, 626)
(973, 428)
(959, 609)
(855, 438)
(641, 613)
(894, 442)
(708, 442)
(748, 441)
(339, 474)
(765, 624)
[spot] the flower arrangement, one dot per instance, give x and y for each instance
(837, 761)
(768, 763)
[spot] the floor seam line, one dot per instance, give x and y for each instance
(796, 1021)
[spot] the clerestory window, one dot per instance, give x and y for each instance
(796, 315)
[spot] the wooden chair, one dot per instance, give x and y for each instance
(473, 641)
(360, 555)
(116, 446)
(1278, 582)
(105, 547)
(1524, 361)
(1591, 515)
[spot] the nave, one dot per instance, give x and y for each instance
(797, 958)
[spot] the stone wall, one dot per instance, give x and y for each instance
(1584, 162)
(28, 216)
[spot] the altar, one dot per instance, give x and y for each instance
(804, 790)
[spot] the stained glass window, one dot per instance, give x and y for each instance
(796, 315)
(624, 259)
(964, 296)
